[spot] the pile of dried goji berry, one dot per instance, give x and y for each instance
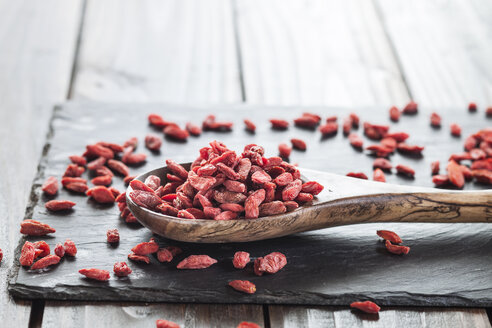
(222, 185)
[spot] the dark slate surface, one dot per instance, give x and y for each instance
(449, 264)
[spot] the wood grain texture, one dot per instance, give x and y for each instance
(89, 315)
(300, 317)
(37, 40)
(444, 49)
(316, 52)
(152, 50)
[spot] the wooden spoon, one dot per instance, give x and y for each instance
(344, 201)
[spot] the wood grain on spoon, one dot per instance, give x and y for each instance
(344, 201)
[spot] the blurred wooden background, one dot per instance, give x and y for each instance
(318, 52)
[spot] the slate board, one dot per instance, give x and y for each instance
(449, 264)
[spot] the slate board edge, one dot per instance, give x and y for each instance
(33, 197)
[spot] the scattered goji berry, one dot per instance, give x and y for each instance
(244, 286)
(298, 144)
(382, 163)
(279, 124)
(389, 235)
(73, 170)
(28, 252)
(240, 260)
(250, 126)
(196, 262)
(121, 269)
(103, 180)
(35, 228)
(79, 160)
(101, 194)
(329, 129)
(96, 274)
(455, 130)
(435, 167)
(435, 120)
(396, 249)
(165, 324)
(153, 142)
(378, 175)
(43, 247)
(193, 129)
(59, 205)
(472, 107)
(355, 140)
(1, 255)
(488, 111)
(70, 248)
(139, 258)
(284, 150)
(411, 108)
(59, 250)
(358, 175)
(455, 174)
(246, 324)
(410, 149)
(272, 263)
(133, 159)
(211, 124)
(45, 262)
(164, 255)
(367, 307)
(394, 114)
(113, 236)
(354, 118)
(146, 248)
(405, 170)
(50, 186)
(483, 176)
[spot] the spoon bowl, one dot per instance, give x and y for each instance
(343, 201)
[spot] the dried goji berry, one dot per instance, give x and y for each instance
(375, 131)
(103, 180)
(96, 274)
(394, 114)
(435, 168)
(410, 149)
(329, 129)
(240, 260)
(455, 130)
(193, 129)
(78, 187)
(284, 150)
(79, 160)
(398, 136)
(113, 236)
(139, 258)
(272, 263)
(70, 248)
(389, 235)
(279, 124)
(35, 228)
(488, 111)
(101, 194)
(28, 253)
(411, 108)
(358, 175)
(146, 248)
(153, 142)
(165, 324)
(59, 205)
(277, 207)
(43, 247)
(59, 250)
(134, 159)
(291, 205)
(246, 324)
(472, 107)
(354, 118)
(455, 174)
(298, 144)
(380, 150)
(152, 181)
(46, 261)
(250, 126)
(483, 176)
(355, 140)
(1, 255)
(378, 175)
(157, 121)
(244, 286)
(175, 132)
(73, 170)
(99, 151)
(232, 207)
(196, 262)
(396, 249)
(164, 255)
(307, 120)
(211, 124)
(435, 120)
(405, 170)
(382, 163)
(103, 170)
(121, 269)
(226, 215)
(50, 186)
(367, 307)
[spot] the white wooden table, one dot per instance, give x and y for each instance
(318, 52)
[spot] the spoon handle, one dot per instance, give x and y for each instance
(437, 207)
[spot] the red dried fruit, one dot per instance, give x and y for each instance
(272, 263)
(307, 120)
(244, 286)
(410, 149)
(97, 163)
(405, 170)
(455, 130)
(35, 228)
(410, 109)
(28, 252)
(114, 147)
(246, 324)
(139, 258)
(472, 107)
(96, 274)
(104, 180)
(45, 262)
(166, 324)
(153, 182)
(378, 175)
(284, 150)
(59, 250)
(184, 214)
(164, 255)
(212, 125)
(78, 187)
(153, 142)
(175, 132)
(367, 307)
(103, 170)
(193, 129)
(252, 203)
(99, 151)
(177, 169)
(455, 174)
(482, 176)
(101, 194)
(358, 175)
(260, 177)
(375, 131)
(139, 185)
(226, 215)
(157, 121)
(232, 207)
(298, 144)
(329, 129)
(146, 248)
(488, 111)
(477, 154)
(380, 150)
(398, 136)
(113, 236)
(240, 260)
(440, 180)
(118, 167)
(50, 186)
(73, 170)
(278, 207)
(355, 140)
(79, 160)
(382, 163)
(279, 124)
(70, 248)
(133, 159)
(347, 125)
(115, 191)
(394, 114)
(291, 205)
(196, 262)
(1, 255)
(435, 168)
(312, 187)
(396, 249)
(250, 126)
(121, 269)
(389, 235)
(59, 205)
(43, 247)
(435, 120)
(68, 180)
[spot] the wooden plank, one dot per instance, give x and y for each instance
(444, 49)
(37, 40)
(316, 52)
(82, 315)
(171, 51)
(299, 317)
